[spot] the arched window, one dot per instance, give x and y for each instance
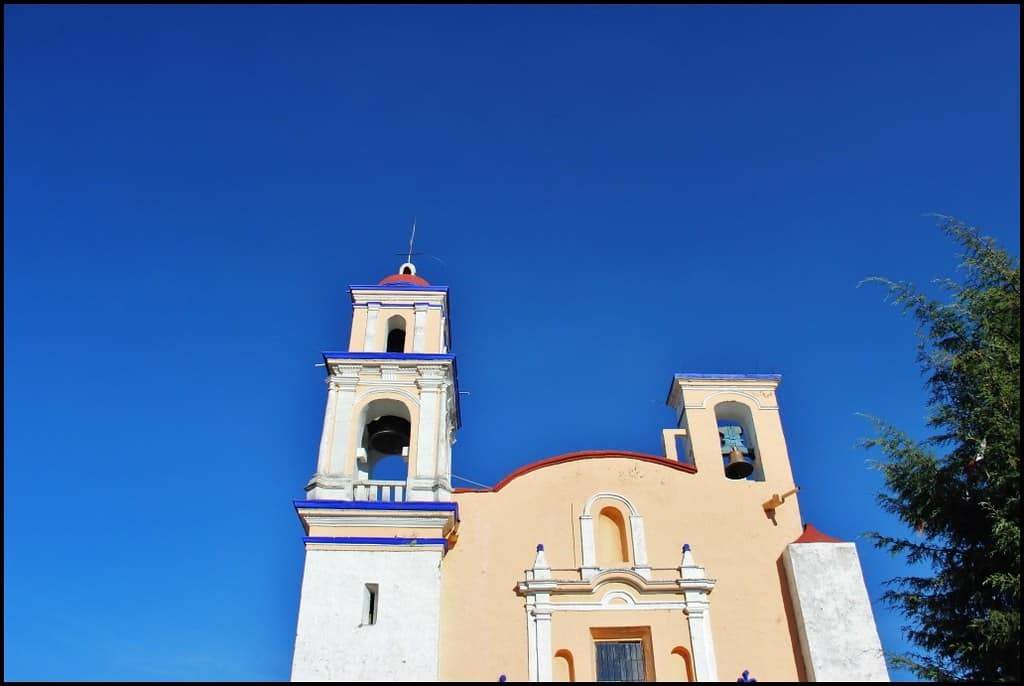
(396, 334)
(683, 665)
(738, 440)
(563, 668)
(612, 539)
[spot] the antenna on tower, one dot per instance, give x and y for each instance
(411, 239)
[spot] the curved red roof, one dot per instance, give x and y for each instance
(812, 535)
(582, 455)
(410, 279)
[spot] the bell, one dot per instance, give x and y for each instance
(738, 467)
(388, 435)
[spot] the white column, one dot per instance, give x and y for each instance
(589, 566)
(370, 338)
(696, 587)
(419, 328)
(324, 456)
(531, 638)
(838, 636)
(444, 446)
(345, 383)
(697, 615)
(423, 477)
(640, 565)
(543, 620)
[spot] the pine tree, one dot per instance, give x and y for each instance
(960, 489)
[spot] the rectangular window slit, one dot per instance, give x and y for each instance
(371, 604)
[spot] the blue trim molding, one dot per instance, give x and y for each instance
(338, 355)
(732, 377)
(374, 505)
(370, 540)
(396, 287)
(395, 305)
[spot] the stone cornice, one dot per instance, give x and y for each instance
(589, 587)
(343, 514)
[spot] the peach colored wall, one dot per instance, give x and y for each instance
(723, 521)
(358, 334)
(431, 331)
(571, 631)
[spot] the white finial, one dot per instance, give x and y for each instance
(687, 560)
(688, 568)
(541, 570)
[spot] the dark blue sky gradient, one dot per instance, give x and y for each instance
(614, 195)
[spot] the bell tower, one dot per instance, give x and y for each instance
(392, 393)
(371, 587)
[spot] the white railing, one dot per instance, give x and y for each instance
(380, 491)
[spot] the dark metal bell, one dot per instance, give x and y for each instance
(388, 435)
(738, 467)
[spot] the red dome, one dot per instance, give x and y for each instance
(410, 279)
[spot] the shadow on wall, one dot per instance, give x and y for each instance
(794, 632)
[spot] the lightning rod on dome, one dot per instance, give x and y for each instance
(411, 239)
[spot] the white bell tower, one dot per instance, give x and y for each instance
(371, 587)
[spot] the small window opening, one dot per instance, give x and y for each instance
(370, 604)
(396, 334)
(684, 453)
(396, 341)
(407, 270)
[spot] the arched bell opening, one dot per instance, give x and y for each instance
(737, 438)
(396, 334)
(386, 433)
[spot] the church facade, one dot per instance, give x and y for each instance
(694, 565)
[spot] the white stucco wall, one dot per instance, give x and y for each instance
(330, 644)
(838, 636)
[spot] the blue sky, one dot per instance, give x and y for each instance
(613, 194)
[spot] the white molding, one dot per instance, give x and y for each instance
(597, 607)
(637, 537)
(614, 496)
(391, 389)
(703, 405)
(370, 335)
(692, 587)
(384, 521)
(378, 547)
(368, 297)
